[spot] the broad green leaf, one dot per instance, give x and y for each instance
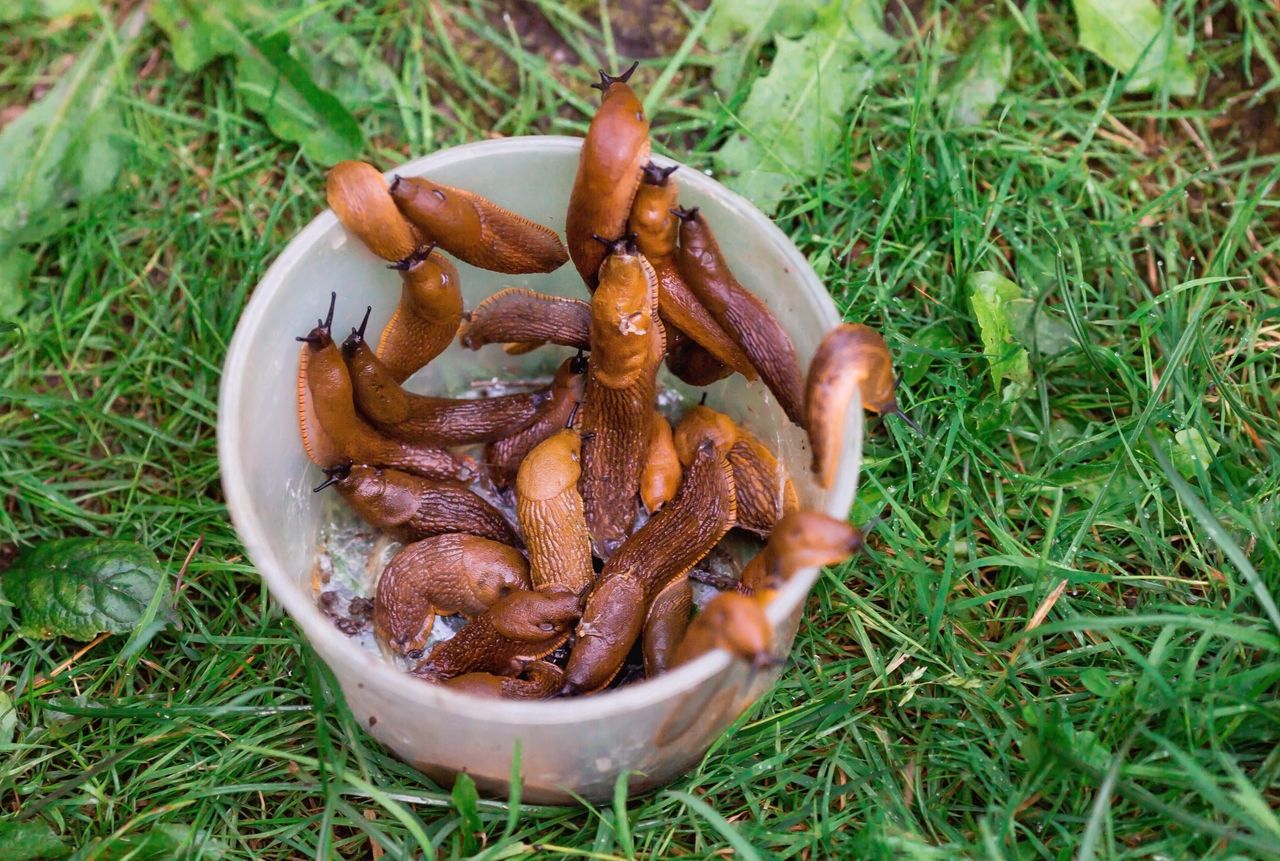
(194, 34)
(30, 841)
(12, 11)
(1041, 329)
(991, 296)
(1120, 31)
(983, 74)
(164, 841)
(466, 800)
(1189, 449)
(80, 587)
(15, 268)
(738, 28)
(8, 719)
(914, 363)
(794, 119)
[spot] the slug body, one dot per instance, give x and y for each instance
(661, 475)
(540, 679)
(358, 195)
(446, 574)
(476, 230)
(517, 315)
(802, 539)
(666, 547)
(665, 625)
(519, 628)
(609, 169)
(731, 622)
(747, 320)
(851, 356)
(627, 345)
(551, 517)
(691, 362)
(765, 493)
(567, 388)
(413, 508)
(427, 317)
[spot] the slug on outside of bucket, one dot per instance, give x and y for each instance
(661, 475)
(551, 517)
(519, 628)
(541, 679)
(517, 315)
(503, 457)
(609, 167)
(803, 539)
(438, 421)
(445, 574)
(665, 625)
(476, 230)
(427, 317)
(358, 195)
(747, 320)
(731, 622)
(332, 432)
(413, 508)
(627, 346)
(850, 356)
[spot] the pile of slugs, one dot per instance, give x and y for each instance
(613, 506)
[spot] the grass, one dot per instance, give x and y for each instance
(1058, 645)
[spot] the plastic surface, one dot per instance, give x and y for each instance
(655, 729)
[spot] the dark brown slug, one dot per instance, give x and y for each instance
(517, 315)
(427, 317)
(690, 361)
(503, 457)
(549, 509)
(540, 679)
(803, 539)
(358, 195)
(476, 230)
(665, 625)
(765, 492)
(731, 622)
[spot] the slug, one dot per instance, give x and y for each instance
(517, 315)
(549, 509)
(627, 346)
(851, 355)
(609, 167)
(358, 195)
(503, 457)
(476, 230)
(665, 625)
(519, 628)
(802, 539)
(437, 421)
(656, 229)
(445, 574)
(661, 474)
(731, 622)
(666, 547)
(747, 320)
(427, 317)
(765, 493)
(540, 679)
(413, 508)
(332, 433)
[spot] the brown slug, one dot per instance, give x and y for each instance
(539, 680)
(333, 433)
(666, 547)
(609, 168)
(691, 362)
(427, 317)
(765, 493)
(627, 346)
(549, 509)
(744, 317)
(476, 230)
(358, 195)
(413, 508)
(850, 356)
(731, 622)
(445, 574)
(802, 539)
(665, 625)
(438, 421)
(661, 474)
(656, 229)
(503, 457)
(517, 315)
(518, 629)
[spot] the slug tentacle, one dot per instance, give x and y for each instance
(606, 79)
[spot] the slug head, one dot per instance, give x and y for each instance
(622, 320)
(551, 468)
(385, 498)
(531, 615)
(704, 426)
(355, 340)
(607, 81)
(437, 209)
(333, 475)
(656, 175)
(322, 335)
(740, 627)
(805, 539)
(494, 582)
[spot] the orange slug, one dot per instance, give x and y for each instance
(445, 574)
(666, 547)
(518, 629)
(517, 315)
(438, 421)
(333, 433)
(699, 424)
(802, 539)
(731, 622)
(665, 625)
(549, 509)
(540, 679)
(427, 317)
(413, 508)
(627, 346)
(661, 474)
(609, 168)
(476, 230)
(747, 320)
(358, 195)
(851, 355)
(656, 229)
(503, 457)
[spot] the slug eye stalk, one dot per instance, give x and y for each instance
(322, 333)
(606, 79)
